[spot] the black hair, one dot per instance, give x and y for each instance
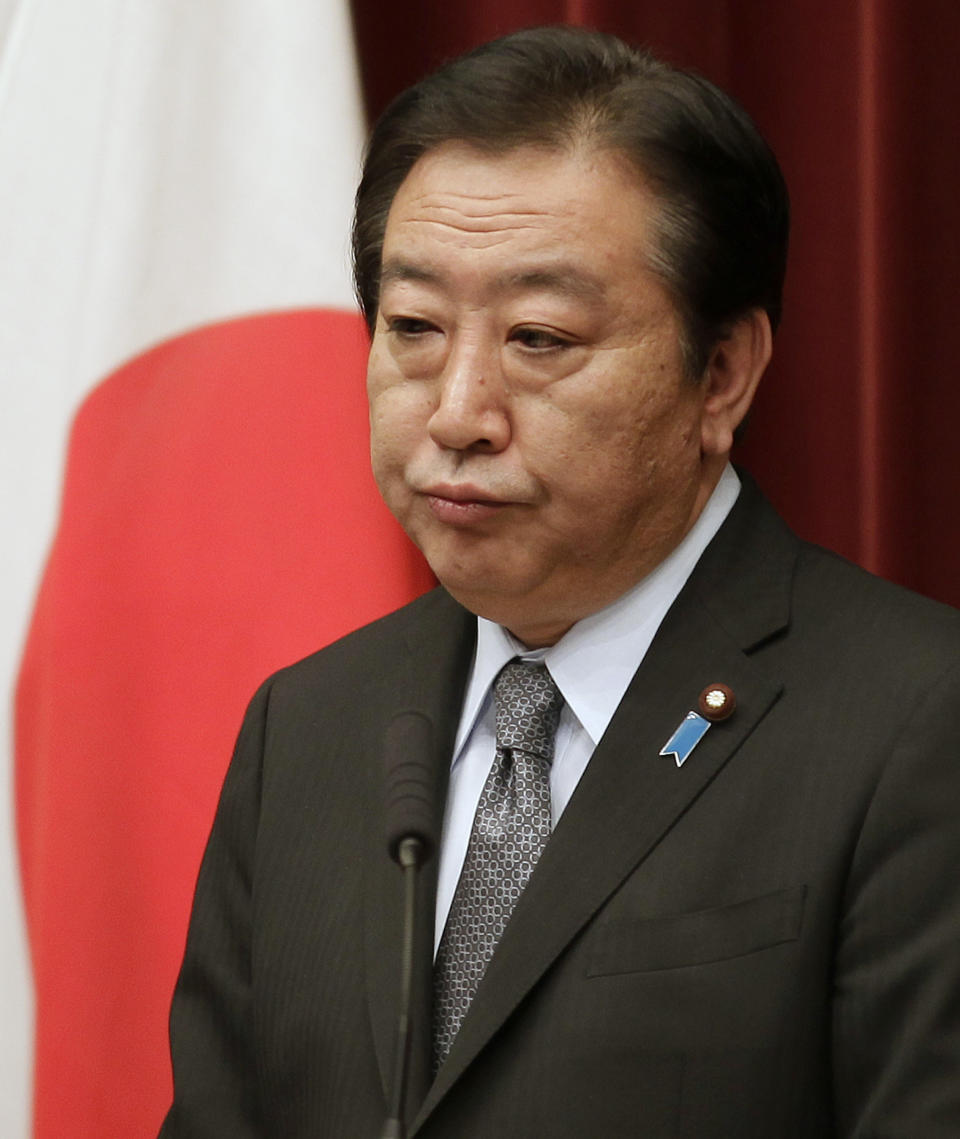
(721, 231)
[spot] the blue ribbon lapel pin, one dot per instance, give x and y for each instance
(717, 702)
(693, 727)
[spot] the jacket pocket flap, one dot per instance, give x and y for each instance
(677, 940)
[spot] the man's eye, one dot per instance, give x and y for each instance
(538, 338)
(409, 326)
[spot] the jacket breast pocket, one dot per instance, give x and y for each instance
(637, 945)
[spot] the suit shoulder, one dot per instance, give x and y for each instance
(819, 569)
(870, 614)
(380, 646)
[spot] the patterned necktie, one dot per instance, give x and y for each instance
(510, 830)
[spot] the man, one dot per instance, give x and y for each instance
(745, 921)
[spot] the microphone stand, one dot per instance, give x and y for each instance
(411, 833)
(410, 856)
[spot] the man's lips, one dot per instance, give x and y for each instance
(462, 505)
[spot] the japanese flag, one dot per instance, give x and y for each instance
(176, 181)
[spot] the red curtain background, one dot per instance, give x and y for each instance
(854, 432)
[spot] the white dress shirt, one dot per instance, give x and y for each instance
(592, 664)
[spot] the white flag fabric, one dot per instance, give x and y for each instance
(176, 180)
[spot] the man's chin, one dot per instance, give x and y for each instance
(488, 575)
(485, 593)
(515, 604)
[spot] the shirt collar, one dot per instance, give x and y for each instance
(593, 663)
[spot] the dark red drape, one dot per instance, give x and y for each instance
(853, 434)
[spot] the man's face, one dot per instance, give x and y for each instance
(532, 426)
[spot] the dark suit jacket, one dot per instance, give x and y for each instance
(763, 943)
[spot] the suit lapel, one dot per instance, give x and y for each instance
(433, 663)
(630, 796)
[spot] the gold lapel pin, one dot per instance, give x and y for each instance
(717, 702)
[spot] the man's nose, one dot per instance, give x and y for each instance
(471, 412)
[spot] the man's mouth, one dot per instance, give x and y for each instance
(462, 504)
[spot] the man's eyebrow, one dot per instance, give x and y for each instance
(565, 280)
(405, 271)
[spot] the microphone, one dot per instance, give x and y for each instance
(411, 834)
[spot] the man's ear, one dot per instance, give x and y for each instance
(733, 372)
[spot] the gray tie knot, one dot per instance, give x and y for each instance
(528, 708)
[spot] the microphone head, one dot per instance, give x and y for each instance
(410, 796)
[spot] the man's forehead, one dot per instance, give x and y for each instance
(568, 223)
(519, 182)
